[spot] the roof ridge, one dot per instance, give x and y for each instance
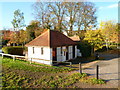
(51, 38)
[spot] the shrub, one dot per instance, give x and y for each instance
(104, 48)
(4, 42)
(15, 50)
(113, 47)
(85, 48)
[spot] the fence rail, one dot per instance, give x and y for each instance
(31, 59)
(63, 62)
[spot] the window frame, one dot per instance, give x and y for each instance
(33, 50)
(42, 51)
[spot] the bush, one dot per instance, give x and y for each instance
(85, 48)
(104, 48)
(113, 47)
(15, 50)
(4, 42)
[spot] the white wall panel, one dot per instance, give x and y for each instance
(37, 54)
(59, 56)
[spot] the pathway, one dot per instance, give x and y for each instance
(108, 70)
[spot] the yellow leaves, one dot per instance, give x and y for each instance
(109, 30)
(94, 37)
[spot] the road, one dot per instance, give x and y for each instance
(108, 70)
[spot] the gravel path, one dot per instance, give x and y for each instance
(108, 70)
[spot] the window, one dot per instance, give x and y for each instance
(41, 51)
(33, 50)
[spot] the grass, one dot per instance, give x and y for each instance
(93, 81)
(11, 80)
(60, 81)
(24, 65)
(21, 74)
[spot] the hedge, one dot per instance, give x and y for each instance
(14, 50)
(85, 48)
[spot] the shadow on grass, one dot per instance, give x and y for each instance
(75, 62)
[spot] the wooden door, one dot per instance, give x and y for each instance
(54, 54)
(67, 54)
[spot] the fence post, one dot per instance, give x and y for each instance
(30, 60)
(2, 56)
(80, 68)
(51, 63)
(70, 64)
(97, 71)
(13, 58)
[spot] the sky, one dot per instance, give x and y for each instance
(105, 11)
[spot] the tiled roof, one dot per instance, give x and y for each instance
(52, 39)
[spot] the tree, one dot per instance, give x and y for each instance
(14, 38)
(23, 37)
(66, 15)
(35, 27)
(18, 24)
(110, 31)
(33, 30)
(18, 21)
(86, 18)
(95, 38)
(57, 9)
(71, 14)
(51, 15)
(30, 32)
(42, 14)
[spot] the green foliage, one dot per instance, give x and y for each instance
(22, 37)
(110, 31)
(15, 50)
(95, 38)
(33, 30)
(85, 48)
(18, 21)
(113, 47)
(4, 42)
(104, 48)
(101, 49)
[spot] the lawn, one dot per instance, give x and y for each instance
(21, 74)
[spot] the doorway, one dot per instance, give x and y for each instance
(54, 54)
(73, 51)
(67, 53)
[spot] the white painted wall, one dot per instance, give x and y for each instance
(37, 54)
(47, 54)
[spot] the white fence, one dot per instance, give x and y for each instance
(31, 59)
(14, 56)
